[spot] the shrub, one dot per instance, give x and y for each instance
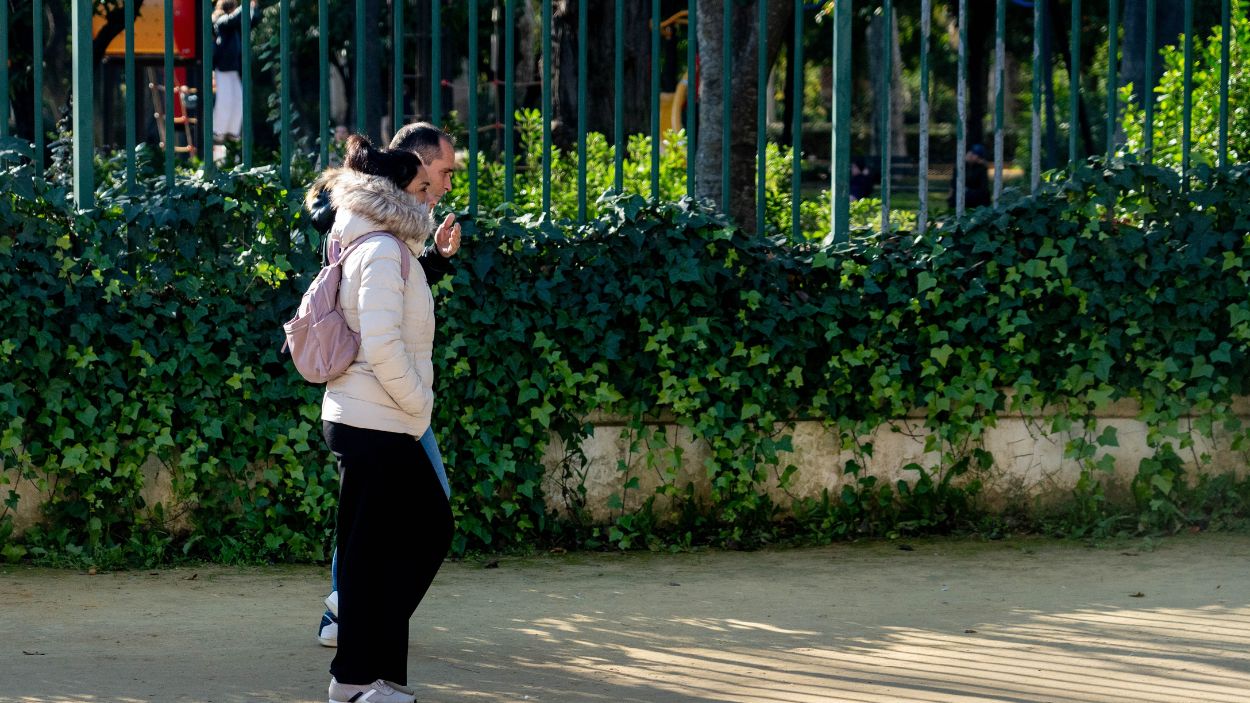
(148, 329)
(1169, 98)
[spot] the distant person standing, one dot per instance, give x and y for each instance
(862, 179)
(976, 180)
(227, 67)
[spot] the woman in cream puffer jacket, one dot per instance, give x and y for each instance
(390, 386)
(394, 520)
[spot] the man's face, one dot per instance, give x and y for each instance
(438, 172)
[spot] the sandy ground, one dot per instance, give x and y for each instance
(1019, 620)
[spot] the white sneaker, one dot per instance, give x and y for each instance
(402, 689)
(377, 692)
(329, 635)
(332, 602)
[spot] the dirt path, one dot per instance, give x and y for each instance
(1026, 620)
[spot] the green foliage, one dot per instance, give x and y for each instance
(814, 211)
(1169, 98)
(144, 336)
(142, 339)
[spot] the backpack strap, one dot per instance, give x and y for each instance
(404, 263)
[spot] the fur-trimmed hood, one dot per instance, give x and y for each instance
(367, 204)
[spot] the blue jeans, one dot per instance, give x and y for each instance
(436, 459)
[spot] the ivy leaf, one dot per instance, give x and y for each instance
(1238, 313)
(1108, 437)
(925, 281)
(482, 264)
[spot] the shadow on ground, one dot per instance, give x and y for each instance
(947, 621)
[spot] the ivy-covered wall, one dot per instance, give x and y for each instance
(1031, 467)
(151, 328)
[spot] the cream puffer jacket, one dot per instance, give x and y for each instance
(390, 385)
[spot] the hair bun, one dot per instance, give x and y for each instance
(397, 165)
(360, 153)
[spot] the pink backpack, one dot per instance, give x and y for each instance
(322, 345)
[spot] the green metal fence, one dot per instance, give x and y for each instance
(835, 17)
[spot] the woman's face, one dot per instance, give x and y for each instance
(419, 186)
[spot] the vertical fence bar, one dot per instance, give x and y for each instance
(284, 94)
(692, 82)
(884, 90)
(397, 65)
(922, 185)
(5, 107)
(1148, 91)
(246, 77)
(655, 100)
(840, 227)
(581, 109)
(761, 116)
(1187, 108)
(83, 110)
(325, 129)
(961, 98)
(1035, 141)
(726, 84)
(618, 103)
(1225, 31)
(473, 58)
(436, 61)
(171, 138)
(1074, 83)
(509, 94)
(1000, 75)
(359, 77)
(546, 29)
(796, 149)
(1113, 73)
(37, 65)
(132, 106)
(206, 86)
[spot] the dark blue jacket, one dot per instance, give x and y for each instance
(228, 49)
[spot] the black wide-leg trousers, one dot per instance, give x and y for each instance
(394, 529)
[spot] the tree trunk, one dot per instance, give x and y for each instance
(1050, 158)
(114, 24)
(980, 52)
(1062, 34)
(743, 90)
(56, 63)
(900, 98)
(21, 86)
(1169, 23)
(898, 94)
(376, 89)
(601, 68)
(787, 90)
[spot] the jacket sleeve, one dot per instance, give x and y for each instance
(380, 301)
(232, 20)
(436, 266)
(322, 212)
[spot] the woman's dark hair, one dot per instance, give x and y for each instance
(396, 165)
